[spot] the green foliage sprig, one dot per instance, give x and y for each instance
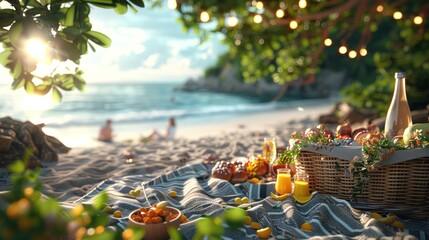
(26, 214)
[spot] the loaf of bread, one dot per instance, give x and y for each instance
(234, 171)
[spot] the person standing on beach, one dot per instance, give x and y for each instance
(169, 134)
(106, 132)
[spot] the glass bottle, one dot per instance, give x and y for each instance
(398, 116)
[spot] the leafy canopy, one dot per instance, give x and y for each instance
(53, 32)
(288, 40)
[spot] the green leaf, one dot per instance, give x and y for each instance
(72, 32)
(4, 57)
(81, 45)
(3, 35)
(17, 167)
(70, 15)
(99, 38)
(91, 46)
(17, 83)
(104, 2)
(15, 32)
(139, 3)
(43, 89)
(79, 82)
(7, 16)
(121, 8)
(66, 50)
(56, 95)
(30, 87)
(16, 71)
(35, 4)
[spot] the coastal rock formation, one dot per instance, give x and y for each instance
(20, 140)
(327, 83)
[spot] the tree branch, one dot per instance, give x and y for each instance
(321, 15)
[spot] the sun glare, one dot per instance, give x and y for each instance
(36, 49)
(36, 102)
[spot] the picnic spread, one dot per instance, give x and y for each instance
(318, 186)
(200, 195)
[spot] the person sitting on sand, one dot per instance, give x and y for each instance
(169, 134)
(106, 132)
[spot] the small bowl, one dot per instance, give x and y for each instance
(155, 231)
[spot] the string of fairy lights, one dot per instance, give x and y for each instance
(231, 20)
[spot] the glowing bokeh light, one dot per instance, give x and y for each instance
(363, 52)
(36, 49)
(302, 3)
(293, 24)
(257, 18)
(280, 13)
(204, 16)
(259, 5)
(328, 42)
(172, 4)
(342, 50)
(232, 21)
(352, 54)
(380, 8)
(397, 15)
(418, 20)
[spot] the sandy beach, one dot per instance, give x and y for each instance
(93, 166)
(90, 162)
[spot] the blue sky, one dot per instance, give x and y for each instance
(147, 46)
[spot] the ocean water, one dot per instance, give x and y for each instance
(126, 103)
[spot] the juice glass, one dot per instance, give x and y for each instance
(301, 188)
(284, 181)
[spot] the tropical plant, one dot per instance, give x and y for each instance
(51, 32)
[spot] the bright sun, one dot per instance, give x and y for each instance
(36, 102)
(36, 49)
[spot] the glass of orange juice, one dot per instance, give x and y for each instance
(284, 181)
(301, 187)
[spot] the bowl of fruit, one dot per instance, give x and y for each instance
(155, 220)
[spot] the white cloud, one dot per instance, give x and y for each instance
(150, 62)
(147, 46)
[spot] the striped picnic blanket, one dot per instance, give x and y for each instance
(199, 195)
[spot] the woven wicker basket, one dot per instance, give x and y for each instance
(403, 186)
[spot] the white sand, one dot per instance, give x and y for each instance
(90, 162)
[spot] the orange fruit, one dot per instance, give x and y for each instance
(307, 227)
(376, 215)
(255, 225)
(172, 194)
(247, 220)
(264, 233)
(398, 224)
(117, 214)
(254, 180)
